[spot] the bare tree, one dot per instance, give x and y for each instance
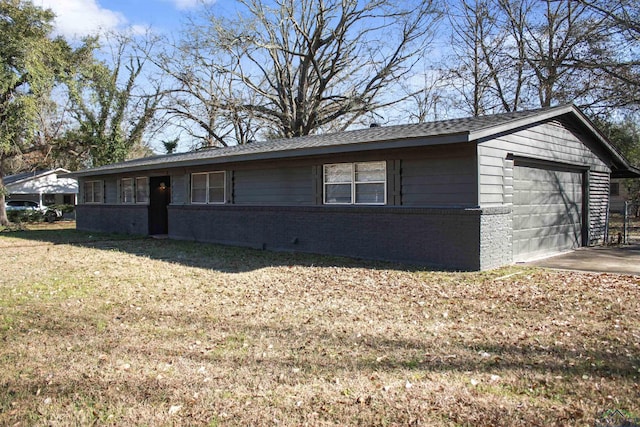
(555, 38)
(427, 99)
(295, 67)
(620, 72)
(479, 58)
(513, 54)
(624, 14)
(201, 98)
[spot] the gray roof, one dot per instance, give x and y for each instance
(12, 179)
(374, 138)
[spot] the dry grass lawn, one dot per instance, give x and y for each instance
(97, 329)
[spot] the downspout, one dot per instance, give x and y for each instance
(606, 227)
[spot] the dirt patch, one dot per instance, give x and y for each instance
(157, 332)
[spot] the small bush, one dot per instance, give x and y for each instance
(25, 216)
(63, 208)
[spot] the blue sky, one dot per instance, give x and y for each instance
(76, 18)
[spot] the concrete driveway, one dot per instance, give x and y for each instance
(612, 259)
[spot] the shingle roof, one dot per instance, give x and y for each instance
(438, 132)
(11, 179)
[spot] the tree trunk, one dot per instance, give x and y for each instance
(4, 221)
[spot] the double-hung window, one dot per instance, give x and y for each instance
(93, 192)
(126, 190)
(362, 183)
(134, 190)
(142, 190)
(207, 187)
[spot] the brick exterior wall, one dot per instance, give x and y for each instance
(496, 234)
(126, 219)
(453, 239)
(439, 238)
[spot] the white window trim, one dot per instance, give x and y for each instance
(207, 201)
(353, 184)
(93, 184)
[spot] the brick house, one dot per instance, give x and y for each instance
(467, 194)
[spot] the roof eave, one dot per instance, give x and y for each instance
(40, 175)
(620, 164)
(284, 154)
(510, 125)
(630, 172)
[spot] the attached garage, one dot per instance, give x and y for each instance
(547, 211)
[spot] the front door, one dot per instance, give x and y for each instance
(159, 199)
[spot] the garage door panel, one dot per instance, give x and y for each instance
(567, 234)
(547, 212)
(559, 201)
(544, 222)
(536, 198)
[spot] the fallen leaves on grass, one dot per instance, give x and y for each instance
(187, 334)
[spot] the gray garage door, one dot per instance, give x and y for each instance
(547, 212)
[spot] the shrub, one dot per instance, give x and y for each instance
(63, 208)
(25, 216)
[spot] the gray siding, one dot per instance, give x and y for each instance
(80, 199)
(598, 205)
(287, 185)
(179, 188)
(111, 191)
(426, 177)
(552, 141)
(445, 178)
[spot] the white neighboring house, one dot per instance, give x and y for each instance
(44, 187)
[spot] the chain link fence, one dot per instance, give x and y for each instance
(624, 225)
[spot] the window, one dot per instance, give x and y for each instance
(355, 183)
(142, 190)
(93, 192)
(126, 186)
(134, 190)
(615, 188)
(207, 187)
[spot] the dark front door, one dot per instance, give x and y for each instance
(159, 199)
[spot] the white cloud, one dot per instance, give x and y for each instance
(189, 4)
(77, 18)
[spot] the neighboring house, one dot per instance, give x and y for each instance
(468, 194)
(43, 187)
(619, 194)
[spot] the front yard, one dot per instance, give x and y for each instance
(98, 329)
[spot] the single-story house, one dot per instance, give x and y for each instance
(46, 187)
(468, 194)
